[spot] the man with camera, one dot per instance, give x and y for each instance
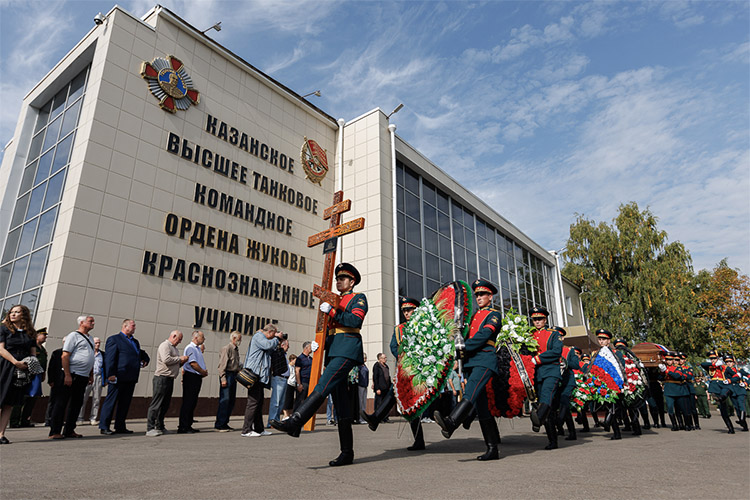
(258, 360)
(279, 376)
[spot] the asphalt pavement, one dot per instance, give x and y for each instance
(702, 464)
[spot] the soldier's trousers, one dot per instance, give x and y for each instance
(546, 389)
(476, 390)
(333, 381)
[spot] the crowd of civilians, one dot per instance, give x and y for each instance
(80, 370)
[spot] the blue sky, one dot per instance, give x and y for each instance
(545, 110)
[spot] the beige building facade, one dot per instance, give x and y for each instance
(197, 217)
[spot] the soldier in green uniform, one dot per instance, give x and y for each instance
(701, 398)
(343, 352)
(407, 305)
(718, 385)
(691, 409)
(629, 415)
(673, 380)
(547, 375)
(738, 392)
(480, 363)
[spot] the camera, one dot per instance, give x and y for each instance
(285, 336)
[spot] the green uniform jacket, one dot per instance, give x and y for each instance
(672, 379)
(734, 378)
(550, 351)
(349, 314)
(480, 344)
(398, 333)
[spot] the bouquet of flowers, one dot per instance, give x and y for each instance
(517, 331)
(602, 387)
(426, 347)
(582, 391)
(633, 386)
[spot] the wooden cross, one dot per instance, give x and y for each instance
(323, 292)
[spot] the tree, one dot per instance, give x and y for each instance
(725, 306)
(634, 283)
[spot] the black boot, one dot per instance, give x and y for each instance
(696, 423)
(616, 431)
(644, 415)
(743, 420)
(293, 425)
(725, 417)
(416, 430)
(571, 428)
(346, 444)
(491, 438)
(609, 419)
(549, 428)
(674, 422)
(680, 422)
(469, 419)
(538, 415)
(636, 426)
(381, 412)
(458, 415)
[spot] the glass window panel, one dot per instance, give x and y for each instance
(62, 155)
(445, 248)
(11, 244)
(458, 233)
(36, 268)
(402, 281)
(413, 230)
(458, 214)
(401, 252)
(503, 259)
(401, 223)
(413, 259)
(432, 287)
(471, 276)
(411, 181)
(29, 299)
(399, 173)
(58, 104)
(481, 228)
(412, 206)
(36, 146)
(45, 162)
(428, 193)
(493, 273)
(41, 119)
(50, 138)
(443, 202)
(468, 219)
(400, 199)
(446, 271)
(17, 275)
(461, 275)
(509, 246)
(430, 216)
(37, 197)
(4, 278)
(414, 285)
(444, 224)
(77, 85)
(482, 247)
(54, 190)
(27, 236)
(471, 261)
(505, 279)
(70, 119)
(459, 256)
(20, 211)
(28, 177)
(470, 243)
(431, 241)
(433, 267)
(46, 228)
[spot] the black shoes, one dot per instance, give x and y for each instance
(106, 432)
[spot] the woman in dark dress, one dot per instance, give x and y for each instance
(17, 341)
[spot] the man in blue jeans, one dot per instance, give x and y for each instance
(279, 377)
(229, 365)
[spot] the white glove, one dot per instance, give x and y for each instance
(719, 362)
(726, 382)
(662, 367)
(743, 384)
(325, 307)
(533, 360)
(314, 346)
(641, 365)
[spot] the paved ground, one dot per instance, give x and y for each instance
(660, 464)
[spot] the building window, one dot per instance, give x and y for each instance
(440, 240)
(568, 305)
(24, 258)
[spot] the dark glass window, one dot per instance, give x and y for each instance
(431, 241)
(428, 193)
(430, 216)
(445, 248)
(458, 233)
(18, 275)
(413, 230)
(411, 181)
(11, 244)
(414, 259)
(50, 138)
(432, 264)
(446, 271)
(36, 268)
(46, 228)
(443, 202)
(412, 206)
(444, 224)
(19, 213)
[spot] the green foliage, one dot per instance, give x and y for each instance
(633, 282)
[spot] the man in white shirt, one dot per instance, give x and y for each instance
(194, 371)
(94, 388)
